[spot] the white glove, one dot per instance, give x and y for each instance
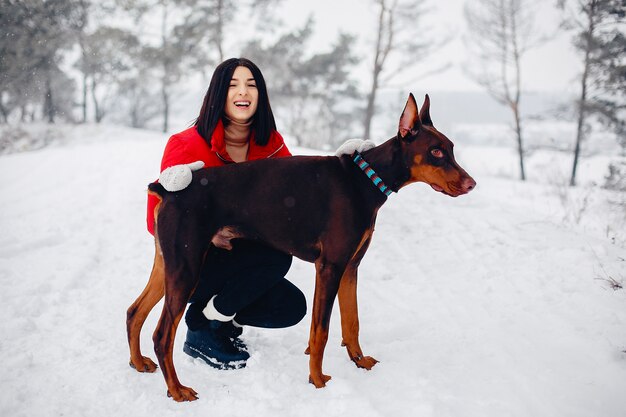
(352, 145)
(178, 177)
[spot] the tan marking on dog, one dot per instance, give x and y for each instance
(222, 238)
(156, 207)
(366, 236)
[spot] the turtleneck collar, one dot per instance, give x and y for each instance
(218, 144)
(236, 132)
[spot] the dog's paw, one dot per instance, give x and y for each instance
(365, 362)
(145, 364)
(182, 393)
(319, 380)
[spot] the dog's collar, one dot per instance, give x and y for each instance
(371, 174)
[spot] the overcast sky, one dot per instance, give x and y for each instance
(552, 67)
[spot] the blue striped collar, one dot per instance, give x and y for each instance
(371, 174)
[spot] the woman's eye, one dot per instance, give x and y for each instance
(252, 85)
(437, 153)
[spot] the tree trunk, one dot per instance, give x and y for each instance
(96, 105)
(166, 105)
(379, 58)
(164, 79)
(518, 92)
(80, 28)
(520, 147)
(580, 127)
(370, 109)
(81, 43)
(582, 105)
(220, 29)
(48, 101)
(4, 113)
(84, 104)
(134, 116)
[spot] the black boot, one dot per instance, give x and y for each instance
(217, 343)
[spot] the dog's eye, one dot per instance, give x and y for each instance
(437, 153)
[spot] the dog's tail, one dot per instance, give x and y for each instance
(157, 189)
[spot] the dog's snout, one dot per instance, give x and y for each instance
(468, 184)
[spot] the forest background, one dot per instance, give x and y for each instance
(513, 73)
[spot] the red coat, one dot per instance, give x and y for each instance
(188, 146)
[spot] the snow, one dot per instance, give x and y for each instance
(492, 304)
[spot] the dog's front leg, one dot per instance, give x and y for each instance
(326, 286)
(350, 319)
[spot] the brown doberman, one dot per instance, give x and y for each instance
(321, 209)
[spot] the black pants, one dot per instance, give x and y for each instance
(249, 281)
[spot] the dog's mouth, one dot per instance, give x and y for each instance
(440, 189)
(452, 193)
(437, 188)
(243, 103)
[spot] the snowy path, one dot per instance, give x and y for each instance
(478, 306)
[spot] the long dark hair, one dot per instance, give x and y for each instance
(212, 111)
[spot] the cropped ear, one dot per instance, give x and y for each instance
(410, 119)
(425, 112)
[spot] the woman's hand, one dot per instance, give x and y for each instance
(178, 177)
(352, 145)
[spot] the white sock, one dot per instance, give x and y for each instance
(211, 313)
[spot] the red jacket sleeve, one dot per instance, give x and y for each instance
(182, 148)
(174, 151)
(181, 151)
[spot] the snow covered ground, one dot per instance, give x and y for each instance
(492, 304)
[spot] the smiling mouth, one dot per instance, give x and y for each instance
(243, 104)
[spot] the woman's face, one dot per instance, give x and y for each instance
(243, 96)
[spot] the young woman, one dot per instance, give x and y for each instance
(245, 285)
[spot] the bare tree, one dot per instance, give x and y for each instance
(502, 31)
(601, 40)
(399, 28)
(79, 25)
(315, 93)
(167, 61)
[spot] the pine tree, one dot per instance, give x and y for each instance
(108, 59)
(314, 94)
(601, 40)
(34, 34)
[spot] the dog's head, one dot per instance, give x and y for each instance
(429, 153)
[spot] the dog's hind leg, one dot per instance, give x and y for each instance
(164, 344)
(181, 277)
(139, 310)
